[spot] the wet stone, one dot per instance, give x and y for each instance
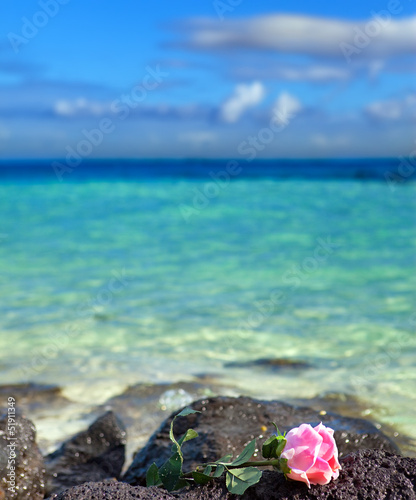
(142, 407)
(92, 455)
(28, 462)
(111, 490)
(29, 397)
(365, 474)
(274, 364)
(227, 424)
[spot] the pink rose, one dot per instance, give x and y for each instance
(312, 454)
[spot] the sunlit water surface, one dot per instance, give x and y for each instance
(109, 283)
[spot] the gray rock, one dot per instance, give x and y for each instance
(366, 474)
(143, 407)
(92, 455)
(353, 406)
(273, 364)
(29, 466)
(30, 397)
(227, 424)
(111, 490)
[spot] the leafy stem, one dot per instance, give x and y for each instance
(250, 463)
(240, 473)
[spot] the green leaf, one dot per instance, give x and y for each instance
(183, 413)
(238, 480)
(189, 434)
(226, 459)
(218, 471)
(273, 447)
(181, 484)
(187, 411)
(277, 430)
(201, 478)
(246, 454)
(281, 446)
(208, 470)
(171, 471)
(269, 447)
(152, 476)
(247, 474)
(283, 467)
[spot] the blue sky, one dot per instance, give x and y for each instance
(217, 78)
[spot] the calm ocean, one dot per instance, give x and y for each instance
(125, 273)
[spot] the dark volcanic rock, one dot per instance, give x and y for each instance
(92, 455)
(365, 475)
(36, 400)
(227, 424)
(112, 490)
(30, 396)
(275, 364)
(350, 405)
(42, 403)
(143, 407)
(29, 466)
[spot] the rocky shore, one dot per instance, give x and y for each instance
(90, 465)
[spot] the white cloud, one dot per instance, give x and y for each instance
(286, 108)
(313, 73)
(393, 109)
(300, 34)
(288, 103)
(374, 69)
(80, 107)
(243, 97)
(318, 73)
(326, 141)
(84, 108)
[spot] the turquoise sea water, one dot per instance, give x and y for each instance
(110, 282)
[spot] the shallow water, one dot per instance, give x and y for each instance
(105, 284)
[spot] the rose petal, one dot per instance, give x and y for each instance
(320, 473)
(299, 475)
(335, 465)
(329, 446)
(305, 442)
(312, 454)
